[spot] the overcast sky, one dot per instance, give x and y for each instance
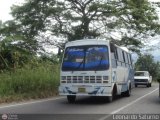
(5, 8)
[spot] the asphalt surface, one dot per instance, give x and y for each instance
(142, 101)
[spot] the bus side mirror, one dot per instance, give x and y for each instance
(59, 52)
(112, 47)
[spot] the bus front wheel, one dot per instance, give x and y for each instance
(113, 96)
(71, 98)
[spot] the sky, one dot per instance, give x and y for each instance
(5, 10)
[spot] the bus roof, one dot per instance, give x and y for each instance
(125, 49)
(87, 42)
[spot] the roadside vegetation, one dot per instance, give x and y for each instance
(36, 79)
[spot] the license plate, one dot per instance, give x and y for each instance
(81, 90)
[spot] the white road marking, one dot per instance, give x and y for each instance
(131, 103)
(26, 103)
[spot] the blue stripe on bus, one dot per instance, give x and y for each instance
(87, 65)
(81, 53)
(96, 63)
(77, 53)
(99, 50)
(72, 64)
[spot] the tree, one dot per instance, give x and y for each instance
(14, 50)
(11, 31)
(146, 63)
(70, 20)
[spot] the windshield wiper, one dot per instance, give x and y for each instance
(99, 63)
(83, 61)
(80, 64)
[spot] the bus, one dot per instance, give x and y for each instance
(92, 67)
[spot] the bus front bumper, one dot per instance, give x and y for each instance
(85, 90)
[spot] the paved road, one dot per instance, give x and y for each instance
(142, 101)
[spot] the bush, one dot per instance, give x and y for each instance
(36, 81)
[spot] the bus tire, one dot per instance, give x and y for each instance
(110, 98)
(135, 85)
(114, 92)
(150, 85)
(128, 92)
(71, 98)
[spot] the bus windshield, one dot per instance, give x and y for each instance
(93, 57)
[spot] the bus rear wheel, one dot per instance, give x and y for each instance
(71, 98)
(128, 92)
(150, 85)
(135, 85)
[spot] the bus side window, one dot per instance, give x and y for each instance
(120, 57)
(116, 54)
(126, 59)
(113, 55)
(114, 63)
(112, 47)
(131, 60)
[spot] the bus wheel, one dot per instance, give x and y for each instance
(150, 85)
(128, 92)
(110, 98)
(71, 98)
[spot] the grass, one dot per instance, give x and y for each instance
(29, 82)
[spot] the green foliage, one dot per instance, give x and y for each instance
(11, 31)
(11, 56)
(76, 19)
(15, 50)
(37, 79)
(53, 58)
(25, 76)
(158, 77)
(146, 62)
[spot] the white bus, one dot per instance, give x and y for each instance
(93, 67)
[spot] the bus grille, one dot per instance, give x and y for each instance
(82, 79)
